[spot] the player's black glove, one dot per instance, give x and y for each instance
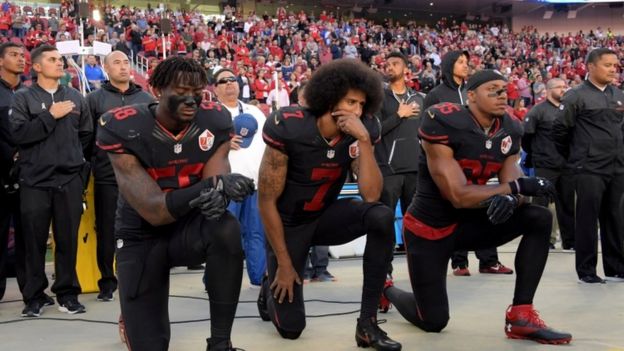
(235, 186)
(501, 208)
(534, 186)
(211, 202)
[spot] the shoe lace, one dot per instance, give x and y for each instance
(534, 318)
(376, 326)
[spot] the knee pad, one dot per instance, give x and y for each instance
(291, 335)
(379, 217)
(225, 236)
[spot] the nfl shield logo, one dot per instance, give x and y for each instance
(506, 145)
(354, 150)
(488, 144)
(206, 139)
(244, 132)
(177, 148)
(331, 154)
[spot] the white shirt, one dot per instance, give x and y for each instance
(281, 98)
(246, 161)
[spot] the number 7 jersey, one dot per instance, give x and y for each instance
(480, 155)
(317, 168)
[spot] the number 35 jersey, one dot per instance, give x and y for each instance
(173, 161)
(479, 154)
(317, 168)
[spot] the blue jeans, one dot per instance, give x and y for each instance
(252, 233)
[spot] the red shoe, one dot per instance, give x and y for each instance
(384, 303)
(498, 268)
(461, 272)
(523, 322)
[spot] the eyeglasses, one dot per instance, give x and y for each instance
(497, 93)
(226, 80)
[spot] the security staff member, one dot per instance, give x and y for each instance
(12, 64)
(52, 127)
(548, 163)
(588, 133)
(116, 92)
(400, 118)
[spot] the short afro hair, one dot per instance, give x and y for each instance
(331, 82)
(178, 70)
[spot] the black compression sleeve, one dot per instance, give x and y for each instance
(178, 200)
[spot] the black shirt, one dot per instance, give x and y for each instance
(174, 162)
(480, 156)
(317, 168)
(588, 131)
(537, 140)
(7, 147)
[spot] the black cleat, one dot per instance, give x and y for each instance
(222, 346)
(262, 302)
(368, 334)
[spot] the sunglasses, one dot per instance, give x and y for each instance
(226, 80)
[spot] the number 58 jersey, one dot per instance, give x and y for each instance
(317, 168)
(479, 154)
(173, 161)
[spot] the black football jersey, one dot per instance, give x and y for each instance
(479, 154)
(173, 161)
(317, 168)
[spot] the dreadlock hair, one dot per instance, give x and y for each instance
(332, 81)
(176, 71)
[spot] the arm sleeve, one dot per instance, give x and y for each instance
(27, 129)
(564, 122)
(530, 121)
(373, 126)
(86, 128)
(430, 100)
(108, 138)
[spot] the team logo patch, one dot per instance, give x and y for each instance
(488, 144)
(506, 145)
(354, 150)
(561, 107)
(244, 132)
(177, 148)
(206, 140)
(331, 153)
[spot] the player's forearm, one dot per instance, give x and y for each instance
(274, 231)
(370, 181)
(472, 196)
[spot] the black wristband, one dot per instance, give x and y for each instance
(515, 188)
(177, 201)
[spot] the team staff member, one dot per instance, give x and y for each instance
(179, 163)
(12, 64)
(548, 163)
(245, 154)
(588, 134)
(309, 153)
(399, 116)
(116, 92)
(453, 89)
(51, 125)
(463, 148)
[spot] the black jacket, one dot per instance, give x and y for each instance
(588, 131)
(537, 139)
(399, 147)
(448, 90)
(101, 101)
(7, 147)
(51, 152)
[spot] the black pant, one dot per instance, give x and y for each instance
(398, 187)
(342, 221)
(62, 206)
(427, 307)
(598, 200)
(564, 202)
(143, 272)
(105, 208)
(9, 214)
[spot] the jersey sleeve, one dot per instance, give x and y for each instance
(114, 135)
(274, 132)
(433, 128)
(531, 119)
(218, 119)
(373, 126)
(517, 131)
